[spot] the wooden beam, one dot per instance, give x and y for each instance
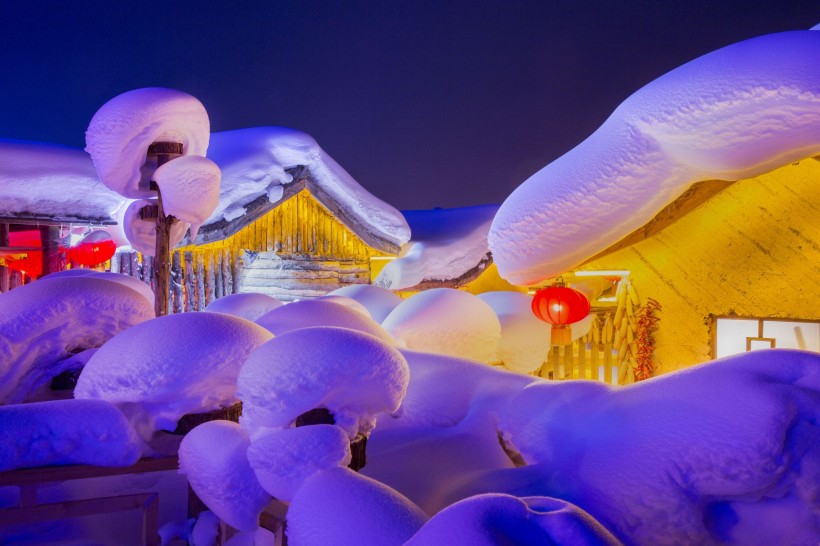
(163, 152)
(692, 198)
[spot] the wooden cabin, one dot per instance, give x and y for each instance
(303, 245)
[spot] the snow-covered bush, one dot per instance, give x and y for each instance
(309, 313)
(248, 305)
(446, 321)
(45, 322)
(125, 280)
(525, 339)
(378, 301)
(64, 432)
(213, 456)
(171, 366)
(353, 374)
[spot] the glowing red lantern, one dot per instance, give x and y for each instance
(560, 306)
(95, 248)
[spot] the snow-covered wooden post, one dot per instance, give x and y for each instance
(133, 139)
(161, 153)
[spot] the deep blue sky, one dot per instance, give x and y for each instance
(426, 103)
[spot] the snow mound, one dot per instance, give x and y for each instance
(248, 305)
(378, 301)
(355, 511)
(125, 280)
(347, 302)
(445, 244)
(212, 456)
(47, 181)
(282, 460)
(735, 113)
(491, 519)
(309, 313)
(66, 432)
(253, 163)
(122, 129)
(352, 374)
(142, 233)
(525, 340)
(170, 366)
(45, 322)
(446, 321)
(443, 390)
(728, 451)
(190, 189)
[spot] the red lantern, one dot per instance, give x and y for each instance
(560, 306)
(95, 248)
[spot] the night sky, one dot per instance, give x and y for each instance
(426, 103)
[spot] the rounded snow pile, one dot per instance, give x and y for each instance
(446, 321)
(45, 322)
(213, 458)
(354, 510)
(125, 280)
(64, 432)
(122, 129)
(491, 519)
(284, 459)
(719, 452)
(248, 305)
(347, 302)
(525, 339)
(309, 313)
(378, 301)
(352, 374)
(171, 366)
(190, 189)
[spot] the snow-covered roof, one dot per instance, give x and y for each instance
(735, 113)
(49, 183)
(263, 166)
(447, 248)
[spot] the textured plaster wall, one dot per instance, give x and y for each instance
(752, 250)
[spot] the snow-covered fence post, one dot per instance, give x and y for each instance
(162, 153)
(323, 416)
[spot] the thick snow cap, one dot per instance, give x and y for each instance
(735, 113)
(171, 366)
(190, 189)
(213, 458)
(352, 374)
(66, 432)
(446, 321)
(122, 129)
(445, 244)
(125, 280)
(142, 232)
(43, 323)
(254, 163)
(47, 181)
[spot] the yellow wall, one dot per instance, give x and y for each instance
(490, 281)
(752, 250)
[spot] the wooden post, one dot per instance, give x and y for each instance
(5, 273)
(163, 152)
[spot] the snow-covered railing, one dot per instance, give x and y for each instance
(29, 480)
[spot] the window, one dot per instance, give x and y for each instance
(739, 335)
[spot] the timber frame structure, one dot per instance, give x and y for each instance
(303, 245)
